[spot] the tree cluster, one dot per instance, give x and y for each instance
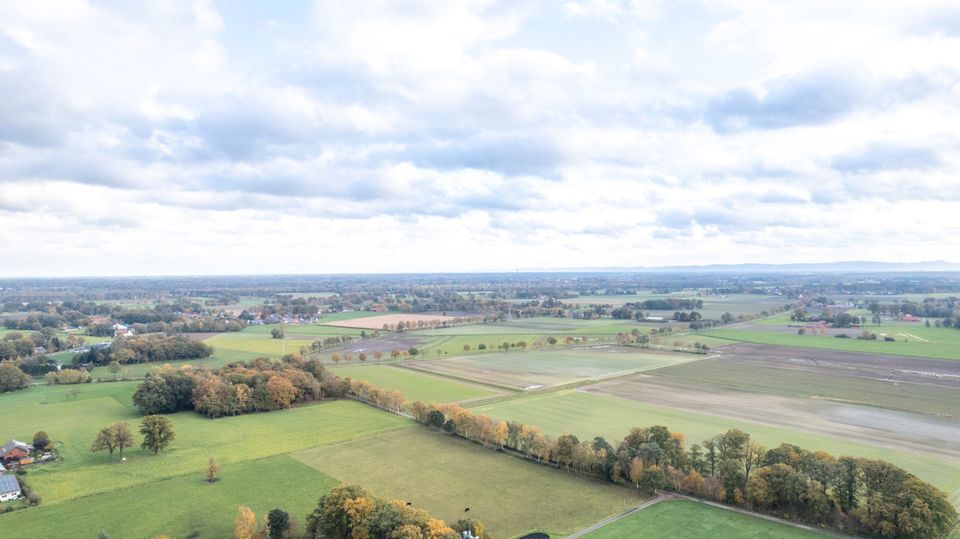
(870, 497)
(146, 349)
(67, 377)
(238, 388)
(353, 512)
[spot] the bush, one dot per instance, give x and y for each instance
(67, 377)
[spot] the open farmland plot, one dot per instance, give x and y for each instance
(928, 386)
(73, 424)
(911, 339)
(445, 475)
(181, 506)
(692, 520)
(530, 370)
(874, 426)
(258, 341)
(377, 322)
(589, 414)
(415, 385)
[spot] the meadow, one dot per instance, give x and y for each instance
(258, 341)
(541, 368)
(445, 475)
(590, 414)
(74, 423)
(911, 340)
(692, 520)
(415, 385)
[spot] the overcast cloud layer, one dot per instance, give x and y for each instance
(241, 137)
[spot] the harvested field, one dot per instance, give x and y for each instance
(537, 369)
(377, 322)
(588, 414)
(891, 428)
(905, 383)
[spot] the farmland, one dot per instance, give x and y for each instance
(910, 384)
(445, 475)
(377, 322)
(415, 385)
(911, 340)
(84, 481)
(522, 370)
(588, 414)
(692, 520)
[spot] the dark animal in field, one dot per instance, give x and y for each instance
(467, 509)
(409, 503)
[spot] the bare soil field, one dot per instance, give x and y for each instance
(377, 322)
(876, 426)
(902, 383)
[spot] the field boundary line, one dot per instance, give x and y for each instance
(609, 520)
(763, 516)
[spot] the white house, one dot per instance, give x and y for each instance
(9, 488)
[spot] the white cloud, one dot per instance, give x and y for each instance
(423, 136)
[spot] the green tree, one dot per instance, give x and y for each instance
(157, 433)
(12, 378)
(122, 437)
(114, 368)
(278, 522)
(105, 442)
(41, 440)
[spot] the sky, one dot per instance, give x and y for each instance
(245, 137)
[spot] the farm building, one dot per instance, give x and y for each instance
(9, 488)
(14, 450)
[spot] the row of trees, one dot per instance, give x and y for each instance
(352, 512)
(157, 433)
(145, 349)
(866, 496)
(238, 388)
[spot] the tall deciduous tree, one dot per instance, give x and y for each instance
(245, 525)
(157, 433)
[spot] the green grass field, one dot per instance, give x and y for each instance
(520, 370)
(692, 520)
(589, 414)
(182, 505)
(347, 315)
(74, 424)
(258, 341)
(937, 343)
(445, 475)
(414, 385)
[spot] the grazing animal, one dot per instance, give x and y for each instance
(467, 509)
(409, 503)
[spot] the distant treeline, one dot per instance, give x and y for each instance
(18, 345)
(145, 349)
(864, 496)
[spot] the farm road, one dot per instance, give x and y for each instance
(653, 501)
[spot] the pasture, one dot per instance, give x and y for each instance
(258, 341)
(73, 423)
(591, 414)
(534, 369)
(911, 339)
(181, 506)
(692, 520)
(415, 385)
(445, 475)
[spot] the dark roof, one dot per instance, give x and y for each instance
(8, 484)
(14, 443)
